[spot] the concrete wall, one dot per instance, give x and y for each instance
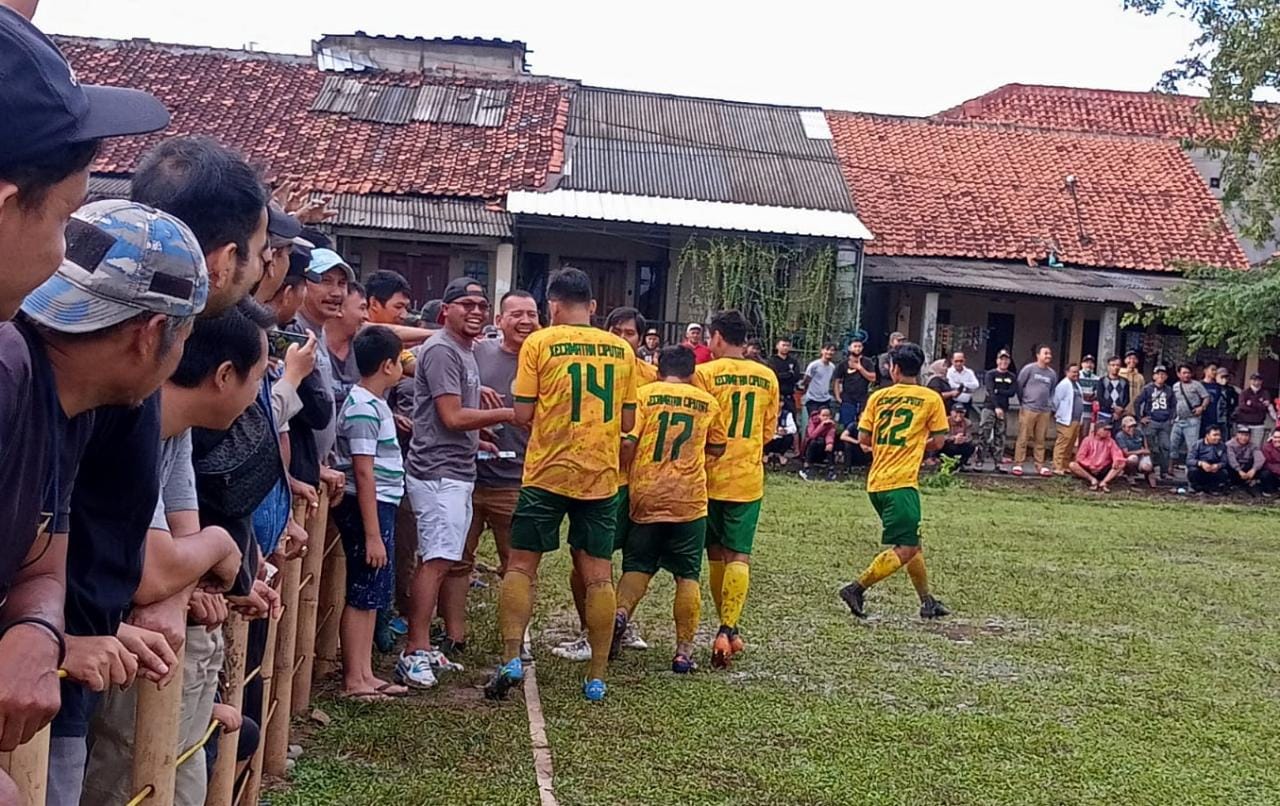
(1211, 169)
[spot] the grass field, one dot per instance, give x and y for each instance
(1116, 651)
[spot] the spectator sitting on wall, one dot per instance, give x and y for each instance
(1137, 454)
(1248, 468)
(693, 340)
(1207, 469)
(784, 438)
(1099, 460)
(938, 382)
(650, 346)
(1253, 409)
(820, 443)
(958, 443)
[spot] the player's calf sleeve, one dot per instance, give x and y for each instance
(601, 606)
(919, 575)
(885, 563)
(717, 584)
(515, 605)
(737, 579)
(687, 609)
(631, 589)
(579, 597)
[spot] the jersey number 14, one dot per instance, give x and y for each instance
(585, 376)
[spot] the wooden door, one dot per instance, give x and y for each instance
(427, 274)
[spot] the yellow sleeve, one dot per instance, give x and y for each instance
(629, 385)
(937, 417)
(637, 428)
(525, 387)
(717, 434)
(700, 378)
(867, 419)
(772, 412)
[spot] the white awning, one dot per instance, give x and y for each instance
(691, 213)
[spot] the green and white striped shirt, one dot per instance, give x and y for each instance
(366, 428)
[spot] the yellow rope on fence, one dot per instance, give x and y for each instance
(306, 581)
(149, 790)
(146, 792)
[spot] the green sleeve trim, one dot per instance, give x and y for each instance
(523, 399)
(631, 437)
(940, 433)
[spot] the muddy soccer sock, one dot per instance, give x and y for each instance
(737, 579)
(515, 605)
(687, 609)
(631, 589)
(717, 582)
(919, 576)
(601, 606)
(885, 563)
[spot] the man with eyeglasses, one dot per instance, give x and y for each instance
(441, 468)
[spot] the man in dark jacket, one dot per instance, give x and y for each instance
(1001, 385)
(1113, 391)
(1253, 409)
(1207, 469)
(787, 367)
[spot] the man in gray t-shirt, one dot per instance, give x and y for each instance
(440, 472)
(1190, 399)
(817, 380)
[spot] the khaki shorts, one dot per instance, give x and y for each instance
(493, 507)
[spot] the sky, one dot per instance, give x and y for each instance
(910, 58)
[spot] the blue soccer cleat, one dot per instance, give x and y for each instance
(594, 690)
(510, 675)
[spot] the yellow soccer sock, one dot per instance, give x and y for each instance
(579, 597)
(515, 605)
(737, 579)
(717, 583)
(919, 575)
(631, 589)
(687, 609)
(601, 606)
(885, 563)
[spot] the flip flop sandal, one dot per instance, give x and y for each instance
(365, 696)
(386, 689)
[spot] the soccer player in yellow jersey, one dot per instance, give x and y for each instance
(898, 425)
(575, 389)
(627, 324)
(677, 427)
(747, 392)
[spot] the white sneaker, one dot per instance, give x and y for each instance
(631, 638)
(566, 642)
(414, 670)
(440, 662)
(578, 651)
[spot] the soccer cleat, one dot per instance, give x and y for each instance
(631, 638)
(441, 663)
(722, 649)
(736, 643)
(451, 648)
(619, 630)
(510, 675)
(594, 689)
(933, 608)
(853, 596)
(577, 651)
(683, 664)
(414, 670)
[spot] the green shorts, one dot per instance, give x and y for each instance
(539, 513)
(899, 512)
(677, 547)
(732, 524)
(623, 517)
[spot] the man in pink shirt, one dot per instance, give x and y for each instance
(1098, 459)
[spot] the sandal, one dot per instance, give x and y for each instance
(1017, 471)
(365, 696)
(392, 690)
(1046, 472)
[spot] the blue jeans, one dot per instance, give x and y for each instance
(1184, 437)
(850, 411)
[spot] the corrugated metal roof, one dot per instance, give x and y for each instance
(421, 214)
(1077, 284)
(691, 213)
(695, 148)
(429, 103)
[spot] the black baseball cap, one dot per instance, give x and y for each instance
(43, 106)
(281, 224)
(459, 287)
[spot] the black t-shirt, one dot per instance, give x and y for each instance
(788, 372)
(939, 384)
(1001, 386)
(853, 385)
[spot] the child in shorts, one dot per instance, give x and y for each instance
(369, 454)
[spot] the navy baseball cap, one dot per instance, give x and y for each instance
(43, 106)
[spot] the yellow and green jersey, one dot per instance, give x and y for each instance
(747, 392)
(579, 379)
(645, 373)
(901, 420)
(674, 424)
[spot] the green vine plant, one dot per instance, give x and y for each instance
(784, 291)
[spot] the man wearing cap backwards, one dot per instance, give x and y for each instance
(693, 340)
(1253, 409)
(441, 468)
(1154, 408)
(50, 126)
(106, 329)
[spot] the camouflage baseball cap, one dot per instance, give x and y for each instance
(123, 259)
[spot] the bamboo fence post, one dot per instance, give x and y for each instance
(333, 597)
(28, 766)
(309, 601)
(253, 782)
(223, 783)
(277, 733)
(156, 735)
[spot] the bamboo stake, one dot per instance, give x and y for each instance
(222, 784)
(309, 601)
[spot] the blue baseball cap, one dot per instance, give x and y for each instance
(43, 106)
(324, 261)
(123, 259)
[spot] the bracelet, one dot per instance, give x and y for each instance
(39, 622)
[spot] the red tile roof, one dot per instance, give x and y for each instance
(260, 104)
(929, 188)
(1150, 114)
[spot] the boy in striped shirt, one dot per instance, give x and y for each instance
(369, 454)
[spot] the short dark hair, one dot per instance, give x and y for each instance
(830, 346)
(1214, 427)
(374, 346)
(1042, 346)
(676, 361)
(1185, 366)
(207, 185)
(354, 287)
(234, 335)
(36, 176)
(570, 285)
(625, 314)
(384, 284)
(1111, 358)
(731, 325)
(515, 293)
(907, 357)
